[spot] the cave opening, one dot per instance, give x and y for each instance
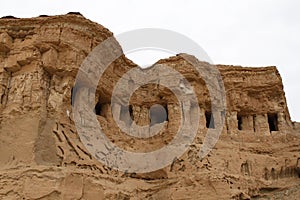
(210, 122)
(240, 122)
(98, 109)
(273, 122)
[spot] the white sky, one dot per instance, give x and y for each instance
(248, 32)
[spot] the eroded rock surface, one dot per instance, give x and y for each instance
(42, 157)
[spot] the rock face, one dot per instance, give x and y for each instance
(42, 156)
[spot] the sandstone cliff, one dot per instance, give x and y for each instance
(42, 157)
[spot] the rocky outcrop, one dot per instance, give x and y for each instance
(42, 156)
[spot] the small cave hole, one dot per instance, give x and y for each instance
(210, 122)
(98, 109)
(131, 112)
(240, 122)
(273, 122)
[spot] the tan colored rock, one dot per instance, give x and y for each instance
(42, 156)
(6, 42)
(11, 64)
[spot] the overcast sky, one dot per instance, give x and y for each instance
(239, 32)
